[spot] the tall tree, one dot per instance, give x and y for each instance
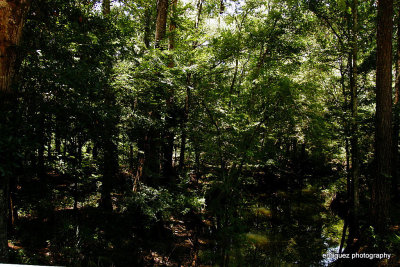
(383, 141)
(147, 25)
(170, 120)
(149, 163)
(12, 16)
(353, 229)
(161, 23)
(396, 115)
(110, 157)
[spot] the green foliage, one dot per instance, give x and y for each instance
(254, 96)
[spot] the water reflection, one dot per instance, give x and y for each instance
(292, 228)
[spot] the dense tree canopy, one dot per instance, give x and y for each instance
(199, 132)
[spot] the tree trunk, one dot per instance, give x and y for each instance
(383, 145)
(172, 28)
(147, 28)
(131, 160)
(168, 148)
(353, 220)
(110, 157)
(57, 139)
(151, 165)
(12, 14)
(197, 162)
(396, 118)
(41, 138)
(106, 7)
(169, 135)
(184, 122)
(151, 160)
(110, 167)
(161, 24)
(49, 152)
(4, 195)
(199, 10)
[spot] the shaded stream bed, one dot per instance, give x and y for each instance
(288, 228)
(293, 228)
(284, 219)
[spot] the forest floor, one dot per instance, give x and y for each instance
(55, 231)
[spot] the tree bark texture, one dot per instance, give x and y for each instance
(396, 118)
(12, 14)
(383, 138)
(172, 27)
(161, 23)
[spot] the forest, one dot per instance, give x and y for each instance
(200, 132)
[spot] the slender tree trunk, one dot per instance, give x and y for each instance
(233, 83)
(346, 128)
(110, 167)
(12, 14)
(141, 143)
(189, 84)
(49, 154)
(182, 149)
(110, 158)
(4, 195)
(41, 149)
(169, 135)
(353, 222)
(184, 122)
(172, 28)
(106, 5)
(151, 161)
(131, 161)
(147, 28)
(168, 147)
(76, 175)
(57, 139)
(396, 118)
(383, 145)
(347, 148)
(197, 163)
(65, 147)
(199, 10)
(151, 164)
